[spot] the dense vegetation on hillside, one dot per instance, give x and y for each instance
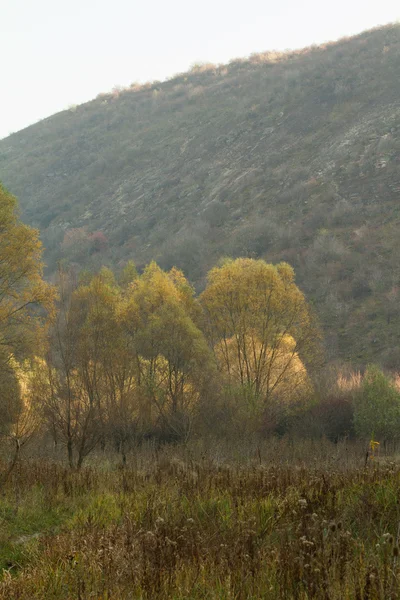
(289, 157)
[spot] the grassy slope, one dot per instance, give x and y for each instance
(292, 157)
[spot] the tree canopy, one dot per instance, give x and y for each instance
(261, 327)
(22, 287)
(23, 296)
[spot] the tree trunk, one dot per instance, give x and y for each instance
(70, 453)
(123, 452)
(80, 460)
(14, 461)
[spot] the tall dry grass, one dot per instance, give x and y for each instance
(276, 520)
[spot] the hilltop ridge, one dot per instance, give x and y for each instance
(291, 156)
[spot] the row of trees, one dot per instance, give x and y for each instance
(112, 358)
(140, 355)
(22, 326)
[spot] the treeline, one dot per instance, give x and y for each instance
(131, 356)
(109, 359)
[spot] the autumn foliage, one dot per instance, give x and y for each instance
(24, 296)
(130, 356)
(111, 359)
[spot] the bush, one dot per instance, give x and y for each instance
(377, 407)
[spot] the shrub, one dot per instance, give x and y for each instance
(377, 407)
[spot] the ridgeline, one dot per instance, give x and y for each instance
(292, 157)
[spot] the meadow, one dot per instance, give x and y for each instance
(281, 519)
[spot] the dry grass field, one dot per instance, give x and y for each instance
(280, 520)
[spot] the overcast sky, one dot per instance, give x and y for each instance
(54, 53)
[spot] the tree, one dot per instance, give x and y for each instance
(27, 418)
(261, 329)
(67, 381)
(10, 405)
(23, 293)
(76, 244)
(172, 356)
(22, 288)
(105, 361)
(377, 407)
(128, 274)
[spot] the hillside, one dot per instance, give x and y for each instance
(290, 157)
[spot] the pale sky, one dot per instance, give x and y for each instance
(54, 53)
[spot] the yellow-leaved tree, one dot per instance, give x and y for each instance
(172, 356)
(262, 331)
(23, 296)
(106, 362)
(85, 374)
(21, 279)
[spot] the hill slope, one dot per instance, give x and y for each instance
(290, 157)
